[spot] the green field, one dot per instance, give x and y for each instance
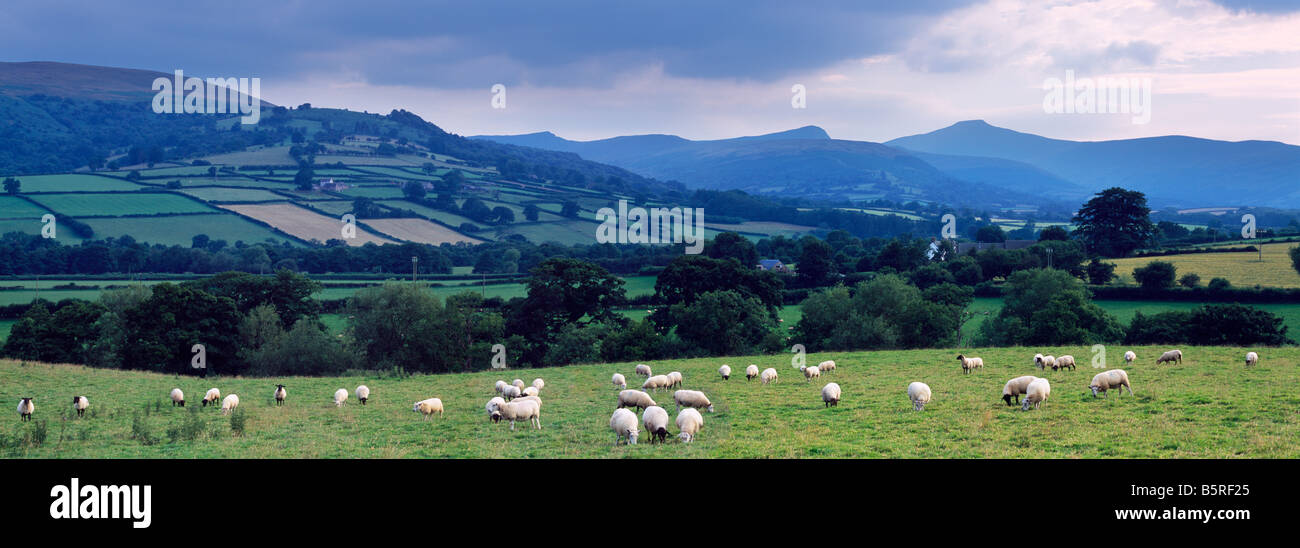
(1208, 407)
(1242, 269)
(180, 229)
(18, 208)
(218, 194)
(90, 205)
(73, 183)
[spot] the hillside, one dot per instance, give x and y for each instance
(1172, 170)
(802, 162)
(1209, 407)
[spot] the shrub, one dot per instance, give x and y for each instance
(1156, 275)
(1189, 280)
(237, 422)
(141, 431)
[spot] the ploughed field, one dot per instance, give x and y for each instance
(1211, 406)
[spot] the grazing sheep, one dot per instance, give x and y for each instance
(280, 394)
(1035, 394)
(531, 391)
(643, 370)
(25, 408)
(340, 396)
(656, 382)
(1106, 380)
(493, 408)
(211, 397)
(229, 404)
(919, 393)
(692, 398)
(623, 423)
(1015, 387)
(533, 399)
(1129, 357)
(428, 407)
(1063, 362)
(809, 373)
(620, 381)
(1038, 361)
(751, 372)
(510, 392)
(518, 383)
(178, 397)
(674, 379)
(500, 385)
(689, 422)
(828, 365)
(522, 409)
(539, 384)
(1170, 356)
(1046, 361)
(363, 393)
(831, 394)
(80, 403)
(725, 371)
(970, 364)
(656, 423)
(769, 376)
(1251, 359)
(635, 398)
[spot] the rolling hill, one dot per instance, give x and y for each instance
(1173, 170)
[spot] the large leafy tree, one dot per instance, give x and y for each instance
(562, 292)
(1115, 222)
(1049, 307)
(726, 323)
(730, 245)
(162, 330)
(689, 276)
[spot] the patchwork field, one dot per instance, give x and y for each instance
(180, 229)
(420, 231)
(1208, 407)
(18, 208)
(73, 182)
(303, 223)
(1241, 269)
(218, 194)
(113, 205)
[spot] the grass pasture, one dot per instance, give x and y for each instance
(116, 205)
(1208, 407)
(180, 229)
(420, 231)
(17, 208)
(1242, 269)
(73, 182)
(219, 194)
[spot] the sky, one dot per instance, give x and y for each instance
(1225, 69)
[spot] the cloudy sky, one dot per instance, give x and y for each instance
(1228, 69)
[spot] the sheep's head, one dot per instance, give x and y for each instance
(1024, 404)
(710, 408)
(1094, 389)
(961, 358)
(918, 405)
(1007, 398)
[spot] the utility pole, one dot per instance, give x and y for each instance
(414, 262)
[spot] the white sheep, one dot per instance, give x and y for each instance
(539, 384)
(522, 409)
(635, 398)
(340, 396)
(1046, 361)
(828, 365)
(970, 364)
(1129, 357)
(363, 393)
(229, 404)
(674, 379)
(1064, 362)
(1107, 380)
(656, 423)
(1035, 394)
(919, 393)
(809, 373)
(769, 375)
(1170, 356)
(1251, 359)
(656, 382)
(428, 407)
(620, 381)
(177, 397)
(1038, 361)
(751, 372)
(623, 423)
(494, 408)
(499, 385)
(1015, 387)
(689, 422)
(211, 397)
(280, 394)
(80, 403)
(831, 394)
(510, 392)
(518, 383)
(692, 398)
(725, 371)
(531, 391)
(643, 370)
(25, 408)
(533, 399)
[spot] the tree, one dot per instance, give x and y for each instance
(1219, 284)
(304, 178)
(563, 291)
(162, 330)
(1048, 307)
(12, 185)
(883, 313)
(1189, 280)
(689, 276)
(1115, 222)
(570, 209)
(991, 234)
(729, 245)
(1295, 258)
(1054, 233)
(726, 323)
(816, 267)
(1156, 275)
(1100, 273)
(531, 212)
(503, 215)
(414, 190)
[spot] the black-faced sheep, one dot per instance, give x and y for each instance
(1036, 394)
(79, 404)
(655, 420)
(177, 397)
(831, 394)
(970, 364)
(751, 372)
(25, 409)
(280, 394)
